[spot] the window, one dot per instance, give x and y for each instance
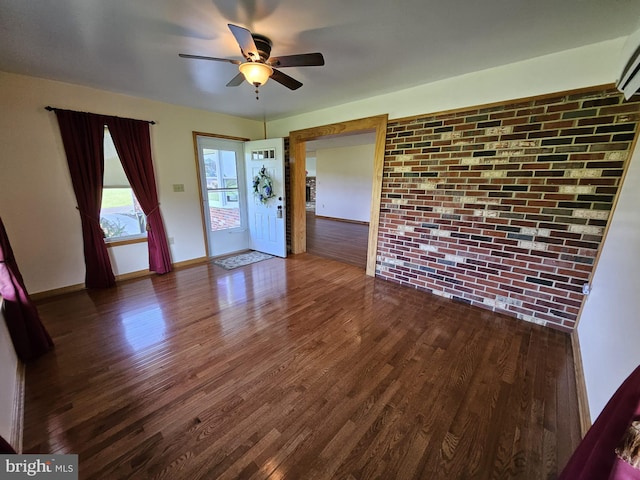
(121, 217)
(222, 188)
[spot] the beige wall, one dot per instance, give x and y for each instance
(37, 203)
(343, 182)
(609, 328)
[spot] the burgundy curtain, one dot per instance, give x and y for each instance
(5, 447)
(604, 453)
(133, 143)
(29, 337)
(83, 139)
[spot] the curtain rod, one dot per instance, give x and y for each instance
(53, 109)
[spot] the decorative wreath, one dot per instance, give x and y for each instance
(263, 186)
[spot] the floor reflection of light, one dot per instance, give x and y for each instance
(236, 288)
(232, 288)
(143, 328)
(271, 468)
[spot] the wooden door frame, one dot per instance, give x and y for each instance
(297, 161)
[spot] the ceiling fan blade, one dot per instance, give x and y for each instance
(237, 80)
(245, 40)
(301, 60)
(286, 80)
(215, 59)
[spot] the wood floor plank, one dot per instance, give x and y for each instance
(297, 368)
(338, 240)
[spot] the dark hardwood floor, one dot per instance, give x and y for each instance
(297, 368)
(337, 240)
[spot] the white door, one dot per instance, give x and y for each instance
(222, 184)
(264, 166)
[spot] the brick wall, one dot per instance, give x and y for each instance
(223, 218)
(311, 185)
(287, 190)
(505, 207)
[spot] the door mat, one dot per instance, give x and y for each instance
(241, 260)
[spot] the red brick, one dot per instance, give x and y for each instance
(499, 115)
(625, 108)
(561, 107)
(559, 124)
(516, 121)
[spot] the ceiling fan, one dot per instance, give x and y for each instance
(259, 66)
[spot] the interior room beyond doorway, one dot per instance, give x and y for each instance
(339, 173)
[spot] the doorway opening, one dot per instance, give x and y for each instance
(298, 139)
(242, 194)
(339, 178)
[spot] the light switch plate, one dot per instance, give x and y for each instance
(178, 187)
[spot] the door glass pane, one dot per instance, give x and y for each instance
(224, 209)
(222, 189)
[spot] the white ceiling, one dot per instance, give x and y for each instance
(371, 47)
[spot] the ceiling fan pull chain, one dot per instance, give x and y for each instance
(257, 98)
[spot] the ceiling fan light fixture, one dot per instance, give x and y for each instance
(256, 73)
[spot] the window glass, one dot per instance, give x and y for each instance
(222, 189)
(120, 214)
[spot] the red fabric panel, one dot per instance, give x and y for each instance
(623, 471)
(595, 457)
(83, 139)
(30, 338)
(133, 143)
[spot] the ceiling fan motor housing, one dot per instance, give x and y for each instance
(263, 44)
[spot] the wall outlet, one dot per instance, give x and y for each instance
(171, 241)
(178, 187)
(586, 288)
